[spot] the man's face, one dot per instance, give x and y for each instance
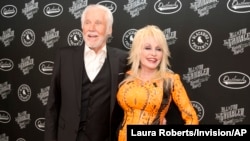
(95, 29)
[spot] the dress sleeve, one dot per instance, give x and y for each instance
(183, 102)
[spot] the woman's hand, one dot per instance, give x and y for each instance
(164, 122)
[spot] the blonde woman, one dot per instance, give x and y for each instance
(150, 86)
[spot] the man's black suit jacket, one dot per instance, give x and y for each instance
(62, 115)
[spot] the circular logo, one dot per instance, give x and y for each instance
(128, 38)
(24, 92)
(40, 124)
(28, 37)
(6, 64)
(53, 10)
(5, 117)
(46, 67)
(167, 8)
(20, 139)
(234, 80)
(75, 38)
(8, 11)
(199, 109)
(109, 4)
(200, 40)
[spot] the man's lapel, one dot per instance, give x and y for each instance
(77, 70)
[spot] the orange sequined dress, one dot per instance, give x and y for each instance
(145, 103)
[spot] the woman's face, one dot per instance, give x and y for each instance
(151, 55)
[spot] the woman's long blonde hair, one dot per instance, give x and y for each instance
(141, 35)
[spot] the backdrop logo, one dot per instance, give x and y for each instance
(28, 37)
(43, 95)
(238, 41)
(170, 36)
(53, 10)
(5, 90)
(3, 137)
(167, 6)
(238, 6)
(8, 11)
(51, 37)
(230, 115)
(199, 109)
(40, 124)
(46, 67)
(6, 64)
(128, 38)
(23, 119)
(200, 40)
(77, 8)
(197, 75)
(26, 65)
(30, 9)
(4, 117)
(110, 4)
(203, 7)
(24, 92)
(234, 80)
(7, 37)
(20, 139)
(134, 7)
(75, 38)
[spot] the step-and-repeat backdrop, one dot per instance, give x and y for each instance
(209, 41)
